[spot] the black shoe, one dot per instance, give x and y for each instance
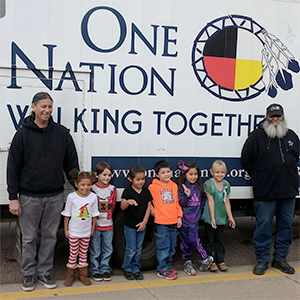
(107, 276)
(138, 276)
(97, 277)
(260, 268)
(283, 266)
(129, 275)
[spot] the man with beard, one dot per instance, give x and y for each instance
(270, 156)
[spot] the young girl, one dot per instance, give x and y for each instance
(101, 243)
(81, 207)
(192, 199)
(136, 203)
(217, 213)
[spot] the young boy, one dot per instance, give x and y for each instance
(167, 216)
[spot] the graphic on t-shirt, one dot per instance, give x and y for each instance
(103, 206)
(167, 196)
(194, 201)
(83, 212)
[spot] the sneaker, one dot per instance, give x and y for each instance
(138, 276)
(283, 266)
(47, 281)
(97, 277)
(106, 276)
(206, 263)
(128, 275)
(222, 267)
(167, 274)
(28, 283)
(189, 268)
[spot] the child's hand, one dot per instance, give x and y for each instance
(186, 190)
(231, 223)
(67, 234)
(92, 232)
(179, 222)
(213, 224)
(132, 202)
(153, 212)
(141, 227)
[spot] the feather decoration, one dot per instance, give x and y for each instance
(276, 61)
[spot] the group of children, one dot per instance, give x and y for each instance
(89, 226)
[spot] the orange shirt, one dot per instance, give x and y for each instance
(165, 202)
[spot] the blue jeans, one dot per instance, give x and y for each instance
(100, 250)
(134, 244)
(166, 241)
(262, 238)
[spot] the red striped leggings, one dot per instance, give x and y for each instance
(78, 246)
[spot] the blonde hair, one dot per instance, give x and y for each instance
(218, 163)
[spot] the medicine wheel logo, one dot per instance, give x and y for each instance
(236, 59)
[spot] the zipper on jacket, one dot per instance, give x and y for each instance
(281, 152)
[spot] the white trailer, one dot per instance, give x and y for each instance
(139, 81)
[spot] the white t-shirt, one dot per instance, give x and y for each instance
(81, 210)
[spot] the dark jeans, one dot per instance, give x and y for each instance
(215, 247)
(166, 240)
(262, 238)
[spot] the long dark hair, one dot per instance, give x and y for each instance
(182, 178)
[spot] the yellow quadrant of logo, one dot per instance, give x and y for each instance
(247, 72)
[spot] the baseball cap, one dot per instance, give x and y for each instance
(274, 110)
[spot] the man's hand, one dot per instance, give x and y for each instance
(15, 207)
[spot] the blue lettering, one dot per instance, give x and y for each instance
(214, 124)
(92, 74)
(145, 80)
(169, 89)
(204, 125)
(21, 112)
(230, 116)
(112, 80)
(176, 113)
(85, 33)
(78, 118)
(240, 124)
(138, 123)
(136, 31)
(16, 51)
(72, 78)
(167, 41)
(114, 121)
(95, 113)
(159, 114)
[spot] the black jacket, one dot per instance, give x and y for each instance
(272, 164)
(37, 159)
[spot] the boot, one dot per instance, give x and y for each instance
(70, 276)
(83, 275)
